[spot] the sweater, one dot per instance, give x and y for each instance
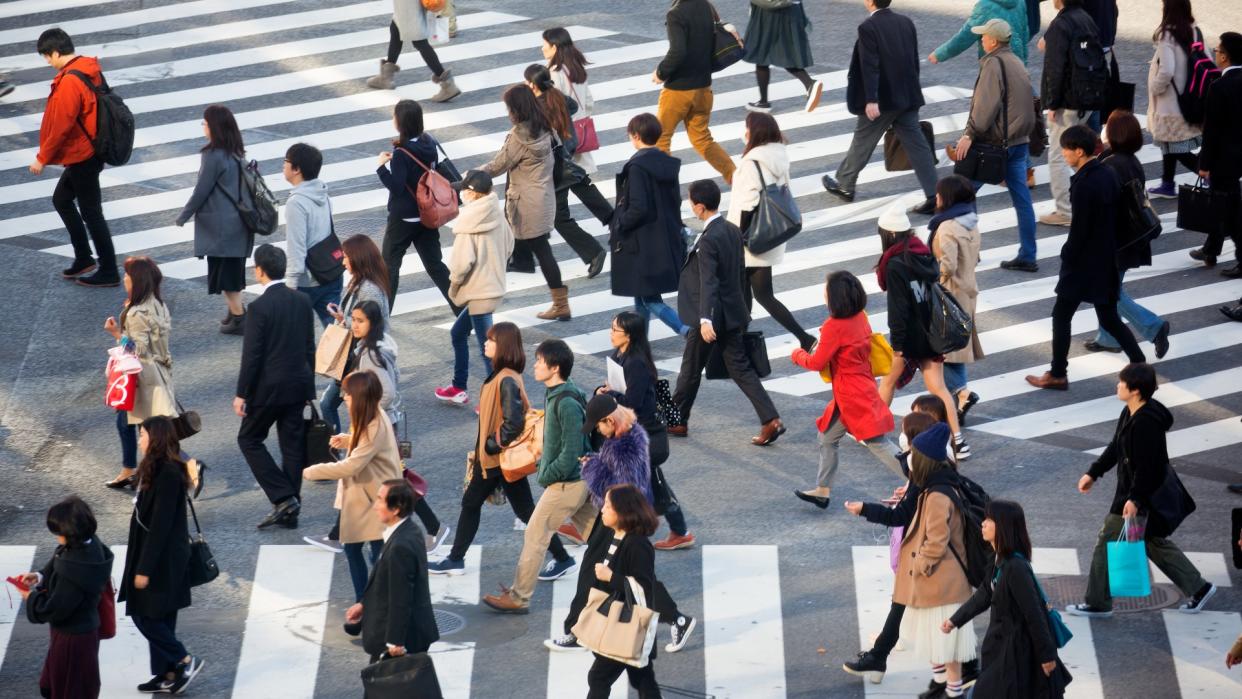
(691, 27)
(308, 220)
(388, 373)
(482, 243)
(623, 459)
(563, 441)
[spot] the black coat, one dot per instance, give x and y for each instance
(635, 558)
(907, 312)
(1127, 167)
(159, 547)
(640, 394)
(1089, 256)
(396, 605)
(711, 281)
(1104, 14)
(898, 515)
(885, 65)
(68, 597)
(1222, 139)
(1140, 452)
(278, 350)
(644, 235)
(1018, 639)
(402, 179)
(691, 41)
(1069, 23)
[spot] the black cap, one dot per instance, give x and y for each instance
(600, 407)
(475, 181)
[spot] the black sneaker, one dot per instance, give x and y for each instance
(99, 279)
(567, 643)
(680, 631)
(970, 673)
(186, 672)
(156, 685)
(868, 665)
(759, 106)
(1084, 609)
(1016, 265)
(1093, 346)
(78, 268)
(1195, 604)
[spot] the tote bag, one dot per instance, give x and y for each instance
(1197, 207)
(776, 219)
(618, 626)
(1128, 574)
(404, 677)
(949, 326)
(332, 353)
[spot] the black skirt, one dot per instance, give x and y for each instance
(225, 274)
(778, 37)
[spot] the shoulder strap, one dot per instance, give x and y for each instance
(193, 514)
(414, 158)
(90, 86)
(1004, 104)
(951, 493)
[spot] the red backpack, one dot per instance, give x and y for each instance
(1201, 72)
(437, 200)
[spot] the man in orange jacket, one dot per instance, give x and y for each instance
(66, 138)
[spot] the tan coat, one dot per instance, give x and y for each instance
(956, 247)
(149, 324)
(1165, 78)
(927, 573)
(374, 460)
(530, 200)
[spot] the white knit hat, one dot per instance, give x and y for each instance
(895, 219)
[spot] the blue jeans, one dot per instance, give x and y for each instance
(954, 377)
(129, 440)
(1020, 195)
(460, 334)
(322, 295)
(1144, 323)
(358, 565)
(648, 306)
(330, 405)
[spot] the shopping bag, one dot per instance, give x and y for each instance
(895, 535)
(618, 626)
(439, 31)
(122, 372)
(1196, 207)
(1128, 574)
(332, 353)
(881, 358)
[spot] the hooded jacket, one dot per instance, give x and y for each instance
(308, 220)
(773, 159)
(530, 199)
(68, 595)
(389, 375)
(905, 277)
(623, 459)
(482, 243)
(644, 235)
(1012, 11)
(61, 140)
(1140, 452)
(956, 245)
(563, 441)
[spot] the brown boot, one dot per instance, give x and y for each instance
(505, 603)
(1030, 178)
(559, 310)
(385, 80)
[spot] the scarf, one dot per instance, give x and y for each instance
(960, 209)
(911, 244)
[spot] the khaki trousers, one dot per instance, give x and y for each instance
(694, 107)
(559, 500)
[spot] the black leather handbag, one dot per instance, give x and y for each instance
(318, 436)
(1140, 223)
(755, 349)
(776, 219)
(1197, 207)
(987, 162)
(187, 423)
(403, 677)
(949, 326)
(201, 568)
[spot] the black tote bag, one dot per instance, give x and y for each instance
(776, 219)
(201, 568)
(1171, 504)
(949, 326)
(403, 677)
(1196, 207)
(318, 435)
(755, 349)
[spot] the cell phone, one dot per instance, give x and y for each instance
(18, 583)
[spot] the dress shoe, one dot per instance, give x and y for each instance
(679, 430)
(283, 509)
(1055, 383)
(1232, 313)
(927, 208)
(821, 503)
(769, 432)
(1161, 340)
(504, 603)
(1200, 255)
(597, 265)
(1016, 265)
(289, 521)
(1093, 346)
(831, 185)
(1234, 488)
(78, 268)
(99, 279)
(964, 408)
(1234, 272)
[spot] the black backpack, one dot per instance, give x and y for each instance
(258, 210)
(1201, 72)
(1089, 71)
(114, 123)
(971, 500)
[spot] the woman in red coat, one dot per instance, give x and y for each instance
(856, 408)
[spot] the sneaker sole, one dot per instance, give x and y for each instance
(454, 400)
(1090, 615)
(563, 649)
(560, 575)
(872, 676)
(677, 547)
(1153, 195)
(321, 545)
(1202, 603)
(441, 538)
(451, 571)
(812, 100)
(83, 273)
(685, 637)
(760, 110)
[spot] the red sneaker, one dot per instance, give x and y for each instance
(675, 541)
(452, 394)
(571, 532)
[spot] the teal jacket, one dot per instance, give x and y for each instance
(563, 441)
(1012, 11)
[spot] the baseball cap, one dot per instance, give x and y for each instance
(475, 181)
(600, 407)
(996, 28)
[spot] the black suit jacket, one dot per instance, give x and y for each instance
(711, 282)
(1222, 139)
(885, 65)
(278, 351)
(396, 606)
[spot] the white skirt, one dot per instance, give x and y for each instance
(920, 629)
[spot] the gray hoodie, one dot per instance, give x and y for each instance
(308, 220)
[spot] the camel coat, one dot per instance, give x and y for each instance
(148, 325)
(1165, 78)
(372, 461)
(956, 247)
(928, 575)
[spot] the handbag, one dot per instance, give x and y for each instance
(1198, 207)
(201, 568)
(584, 130)
(726, 48)
(618, 625)
(1128, 574)
(187, 423)
(896, 158)
(325, 260)
(1118, 94)
(416, 482)
(1141, 223)
(121, 371)
(1170, 504)
(776, 219)
(403, 677)
(987, 162)
(753, 346)
(665, 407)
(107, 611)
(318, 436)
(435, 196)
(881, 358)
(949, 326)
(1039, 132)
(332, 352)
(662, 494)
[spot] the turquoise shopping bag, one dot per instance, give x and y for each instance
(1128, 574)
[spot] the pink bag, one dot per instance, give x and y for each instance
(895, 535)
(122, 374)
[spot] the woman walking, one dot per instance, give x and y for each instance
(780, 37)
(368, 281)
(375, 351)
(502, 417)
(412, 22)
(219, 233)
(955, 241)
(65, 595)
(530, 198)
(1019, 653)
(856, 408)
(1176, 138)
(764, 162)
(400, 174)
(154, 586)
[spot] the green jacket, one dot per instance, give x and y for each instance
(563, 441)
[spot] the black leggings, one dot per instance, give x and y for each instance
(763, 74)
(423, 46)
(541, 247)
(759, 289)
(1190, 161)
(887, 639)
(480, 487)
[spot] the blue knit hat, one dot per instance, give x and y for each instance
(933, 442)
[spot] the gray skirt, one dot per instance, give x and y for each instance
(778, 37)
(1190, 145)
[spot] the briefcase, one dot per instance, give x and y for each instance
(1197, 208)
(410, 676)
(755, 349)
(895, 157)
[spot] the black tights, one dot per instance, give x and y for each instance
(1190, 161)
(763, 74)
(759, 289)
(541, 247)
(892, 629)
(423, 46)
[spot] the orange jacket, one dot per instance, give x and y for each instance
(61, 140)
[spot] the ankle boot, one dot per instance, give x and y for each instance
(235, 325)
(559, 310)
(384, 81)
(448, 88)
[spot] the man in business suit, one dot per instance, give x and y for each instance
(710, 301)
(1220, 160)
(275, 382)
(883, 90)
(395, 611)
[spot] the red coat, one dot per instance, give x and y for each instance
(845, 348)
(61, 140)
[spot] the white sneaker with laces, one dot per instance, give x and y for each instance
(680, 631)
(563, 644)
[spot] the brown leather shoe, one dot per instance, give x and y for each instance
(679, 430)
(1049, 381)
(768, 433)
(504, 603)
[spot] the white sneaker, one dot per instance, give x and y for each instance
(518, 524)
(563, 644)
(680, 631)
(813, 95)
(435, 541)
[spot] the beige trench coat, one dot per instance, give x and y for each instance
(530, 200)
(148, 325)
(928, 575)
(374, 460)
(957, 249)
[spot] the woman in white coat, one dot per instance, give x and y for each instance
(412, 22)
(765, 151)
(1166, 78)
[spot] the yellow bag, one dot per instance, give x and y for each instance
(881, 358)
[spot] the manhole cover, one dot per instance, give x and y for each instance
(448, 622)
(1064, 590)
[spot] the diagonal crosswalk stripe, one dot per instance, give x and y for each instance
(14, 560)
(1199, 642)
(17, 8)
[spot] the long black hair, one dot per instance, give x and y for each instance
(635, 328)
(375, 333)
(524, 108)
(567, 59)
(555, 108)
(409, 117)
(1009, 521)
(1176, 19)
(224, 134)
(163, 451)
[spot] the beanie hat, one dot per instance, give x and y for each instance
(933, 442)
(894, 219)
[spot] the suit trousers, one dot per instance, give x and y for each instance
(694, 107)
(1229, 217)
(558, 502)
(694, 360)
(278, 482)
(867, 135)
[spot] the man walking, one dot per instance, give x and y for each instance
(686, 74)
(308, 222)
(274, 385)
(1089, 256)
(565, 495)
(711, 302)
(883, 90)
(1220, 160)
(66, 137)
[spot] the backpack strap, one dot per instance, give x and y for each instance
(955, 497)
(94, 90)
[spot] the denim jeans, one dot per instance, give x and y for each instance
(460, 334)
(330, 405)
(1143, 322)
(358, 566)
(322, 295)
(648, 306)
(954, 377)
(1020, 195)
(129, 440)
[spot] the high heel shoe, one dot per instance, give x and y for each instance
(202, 477)
(120, 483)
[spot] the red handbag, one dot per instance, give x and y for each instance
(435, 196)
(584, 130)
(417, 483)
(121, 390)
(107, 612)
